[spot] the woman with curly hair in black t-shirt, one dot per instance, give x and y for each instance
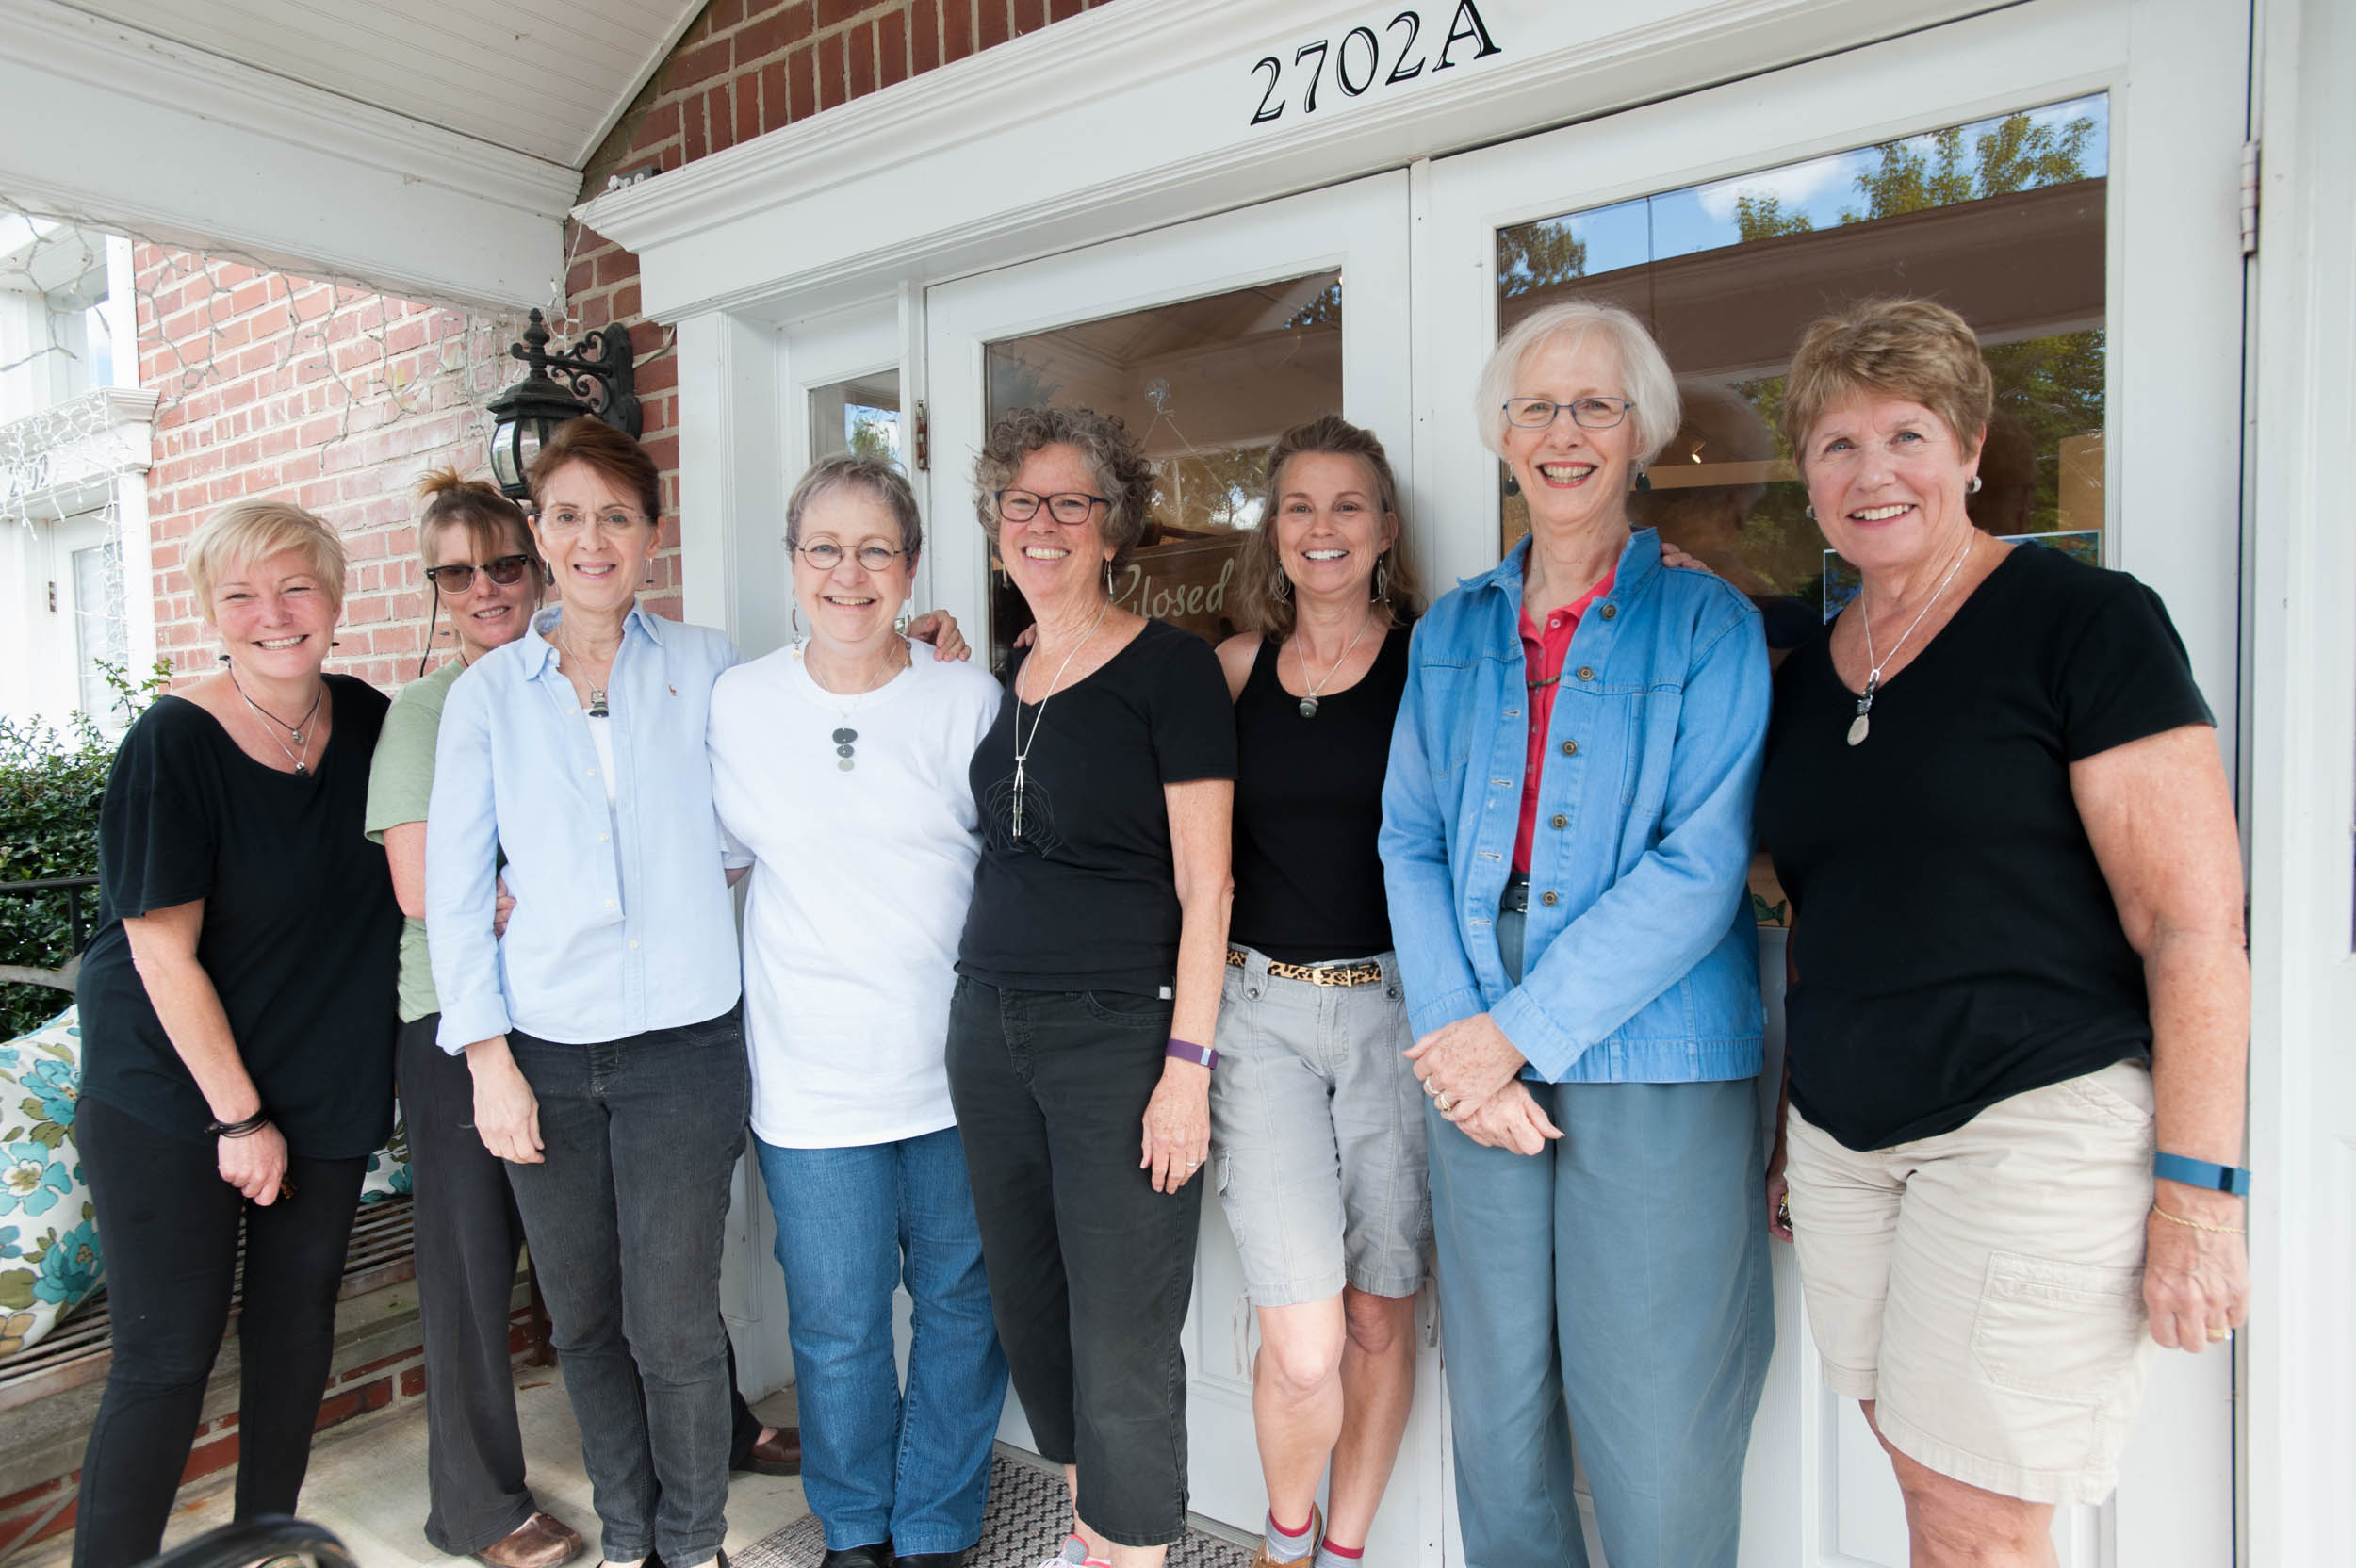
(238, 1020)
(1080, 1030)
(2020, 1000)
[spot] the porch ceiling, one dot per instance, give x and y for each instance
(543, 77)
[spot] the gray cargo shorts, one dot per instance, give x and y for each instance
(1317, 1136)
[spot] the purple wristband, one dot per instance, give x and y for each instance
(1186, 1050)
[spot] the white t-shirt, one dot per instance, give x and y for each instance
(859, 885)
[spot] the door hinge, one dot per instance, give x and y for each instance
(53, 598)
(923, 440)
(2249, 198)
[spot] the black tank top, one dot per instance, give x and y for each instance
(1308, 805)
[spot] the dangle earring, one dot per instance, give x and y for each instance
(1109, 579)
(796, 613)
(1382, 582)
(1643, 478)
(1809, 511)
(1284, 584)
(1513, 482)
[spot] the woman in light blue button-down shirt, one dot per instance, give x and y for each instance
(601, 1033)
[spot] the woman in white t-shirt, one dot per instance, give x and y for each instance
(840, 762)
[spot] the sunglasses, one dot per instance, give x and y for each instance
(458, 576)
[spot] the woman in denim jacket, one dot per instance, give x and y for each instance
(1568, 894)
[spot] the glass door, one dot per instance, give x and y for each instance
(1208, 340)
(2030, 169)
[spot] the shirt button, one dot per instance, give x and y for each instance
(1570, 748)
(1549, 897)
(1586, 672)
(609, 904)
(605, 838)
(634, 942)
(1560, 821)
(1554, 622)
(593, 772)
(1610, 610)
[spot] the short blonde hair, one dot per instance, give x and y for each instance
(1910, 349)
(1645, 379)
(253, 530)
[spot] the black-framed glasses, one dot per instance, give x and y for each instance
(1586, 413)
(1065, 506)
(827, 555)
(458, 576)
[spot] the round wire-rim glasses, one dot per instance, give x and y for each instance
(827, 555)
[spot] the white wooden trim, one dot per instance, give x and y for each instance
(2301, 1415)
(1135, 117)
(120, 129)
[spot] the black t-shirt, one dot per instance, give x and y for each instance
(1086, 898)
(302, 936)
(1955, 941)
(1308, 806)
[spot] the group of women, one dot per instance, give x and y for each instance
(1487, 991)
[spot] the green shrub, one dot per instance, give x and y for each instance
(51, 781)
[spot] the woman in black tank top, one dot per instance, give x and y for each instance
(1315, 1128)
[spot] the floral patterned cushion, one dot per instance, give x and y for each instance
(49, 1259)
(388, 1167)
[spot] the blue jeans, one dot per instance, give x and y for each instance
(1615, 1285)
(625, 1218)
(852, 1224)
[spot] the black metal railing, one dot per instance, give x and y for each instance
(72, 886)
(73, 889)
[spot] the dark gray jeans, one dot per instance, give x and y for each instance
(625, 1217)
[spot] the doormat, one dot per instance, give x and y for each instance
(1023, 1526)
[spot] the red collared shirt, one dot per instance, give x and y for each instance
(1544, 650)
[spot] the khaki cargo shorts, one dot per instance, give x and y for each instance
(1985, 1287)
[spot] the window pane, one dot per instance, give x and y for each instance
(2001, 219)
(1206, 385)
(100, 636)
(860, 415)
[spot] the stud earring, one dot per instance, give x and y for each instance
(1809, 511)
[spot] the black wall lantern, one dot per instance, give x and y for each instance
(593, 376)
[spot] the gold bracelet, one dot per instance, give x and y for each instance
(2197, 1225)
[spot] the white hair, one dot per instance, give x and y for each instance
(1645, 380)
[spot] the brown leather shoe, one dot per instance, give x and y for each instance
(541, 1541)
(776, 1454)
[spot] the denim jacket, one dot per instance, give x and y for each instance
(1640, 956)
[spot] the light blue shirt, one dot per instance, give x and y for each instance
(623, 919)
(1640, 957)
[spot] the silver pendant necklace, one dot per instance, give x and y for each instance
(1862, 725)
(298, 732)
(1300, 651)
(598, 709)
(1022, 746)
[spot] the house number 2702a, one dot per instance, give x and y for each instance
(1355, 64)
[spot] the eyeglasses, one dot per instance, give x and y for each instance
(458, 576)
(1068, 506)
(1586, 413)
(827, 555)
(567, 519)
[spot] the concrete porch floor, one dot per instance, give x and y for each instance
(366, 1484)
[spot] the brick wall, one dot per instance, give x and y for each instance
(334, 396)
(745, 67)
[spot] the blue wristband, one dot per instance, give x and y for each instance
(2205, 1174)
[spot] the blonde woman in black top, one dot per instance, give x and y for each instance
(238, 1015)
(1316, 1132)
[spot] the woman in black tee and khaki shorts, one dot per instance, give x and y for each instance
(2018, 1009)
(1316, 1120)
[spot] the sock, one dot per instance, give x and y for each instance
(1331, 1556)
(1285, 1545)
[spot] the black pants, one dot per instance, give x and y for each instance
(467, 1236)
(1089, 1268)
(168, 1224)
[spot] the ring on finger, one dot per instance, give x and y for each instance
(2216, 1335)
(1431, 1088)
(1443, 1102)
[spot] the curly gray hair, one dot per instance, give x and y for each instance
(1122, 475)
